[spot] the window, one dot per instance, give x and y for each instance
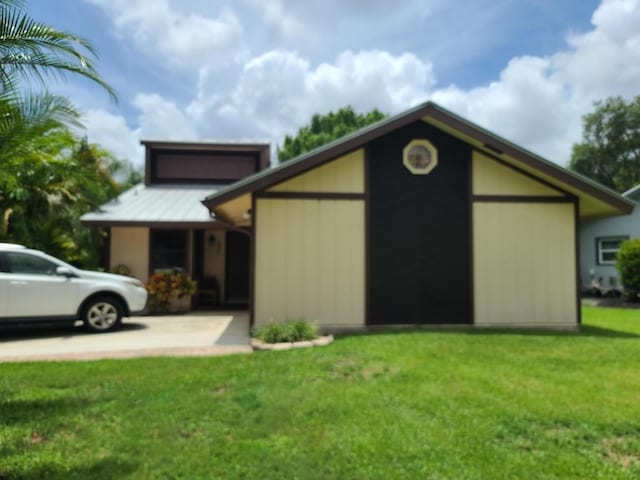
(168, 249)
(607, 249)
(29, 264)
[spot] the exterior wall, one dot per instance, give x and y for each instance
(310, 261)
(524, 264)
(214, 255)
(492, 178)
(343, 175)
(626, 225)
(130, 247)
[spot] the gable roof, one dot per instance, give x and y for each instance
(451, 123)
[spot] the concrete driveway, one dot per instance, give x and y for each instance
(196, 333)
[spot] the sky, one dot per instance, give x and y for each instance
(256, 70)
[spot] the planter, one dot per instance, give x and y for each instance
(180, 304)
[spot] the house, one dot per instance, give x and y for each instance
(162, 223)
(600, 241)
(423, 218)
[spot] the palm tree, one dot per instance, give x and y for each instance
(34, 50)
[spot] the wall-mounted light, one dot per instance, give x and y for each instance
(247, 215)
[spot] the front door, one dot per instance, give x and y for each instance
(237, 268)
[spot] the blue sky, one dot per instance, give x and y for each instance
(249, 70)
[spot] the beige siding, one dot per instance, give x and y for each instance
(310, 261)
(130, 247)
(214, 256)
(344, 175)
(524, 264)
(493, 178)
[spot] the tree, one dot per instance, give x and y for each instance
(50, 178)
(33, 50)
(325, 128)
(610, 149)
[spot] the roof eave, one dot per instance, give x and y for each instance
(351, 142)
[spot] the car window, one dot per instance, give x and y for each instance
(4, 265)
(30, 264)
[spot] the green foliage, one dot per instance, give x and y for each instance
(628, 265)
(31, 50)
(325, 128)
(49, 178)
(290, 331)
(610, 148)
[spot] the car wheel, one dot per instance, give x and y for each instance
(102, 314)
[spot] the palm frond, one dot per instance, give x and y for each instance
(34, 49)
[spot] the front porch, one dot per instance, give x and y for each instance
(217, 258)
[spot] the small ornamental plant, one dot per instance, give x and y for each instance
(166, 287)
(290, 331)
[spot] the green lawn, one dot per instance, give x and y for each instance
(426, 404)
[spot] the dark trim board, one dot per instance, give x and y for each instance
(520, 199)
(252, 263)
(312, 195)
(576, 219)
(472, 286)
(367, 234)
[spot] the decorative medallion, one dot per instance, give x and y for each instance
(420, 157)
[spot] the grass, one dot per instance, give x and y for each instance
(426, 404)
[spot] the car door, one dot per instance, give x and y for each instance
(4, 285)
(35, 290)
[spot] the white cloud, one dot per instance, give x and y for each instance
(278, 91)
(112, 132)
(536, 101)
(161, 119)
(177, 39)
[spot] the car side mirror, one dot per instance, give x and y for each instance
(65, 272)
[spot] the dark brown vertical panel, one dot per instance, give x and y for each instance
(576, 220)
(419, 232)
(252, 263)
(147, 165)
(472, 287)
(367, 221)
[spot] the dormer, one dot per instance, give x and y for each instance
(174, 163)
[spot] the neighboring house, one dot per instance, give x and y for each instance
(423, 218)
(600, 240)
(162, 224)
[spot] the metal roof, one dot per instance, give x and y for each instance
(155, 204)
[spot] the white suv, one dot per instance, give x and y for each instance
(35, 287)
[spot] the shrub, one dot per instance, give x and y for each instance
(164, 287)
(121, 269)
(628, 265)
(290, 331)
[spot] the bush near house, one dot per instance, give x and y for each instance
(628, 265)
(290, 331)
(165, 288)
